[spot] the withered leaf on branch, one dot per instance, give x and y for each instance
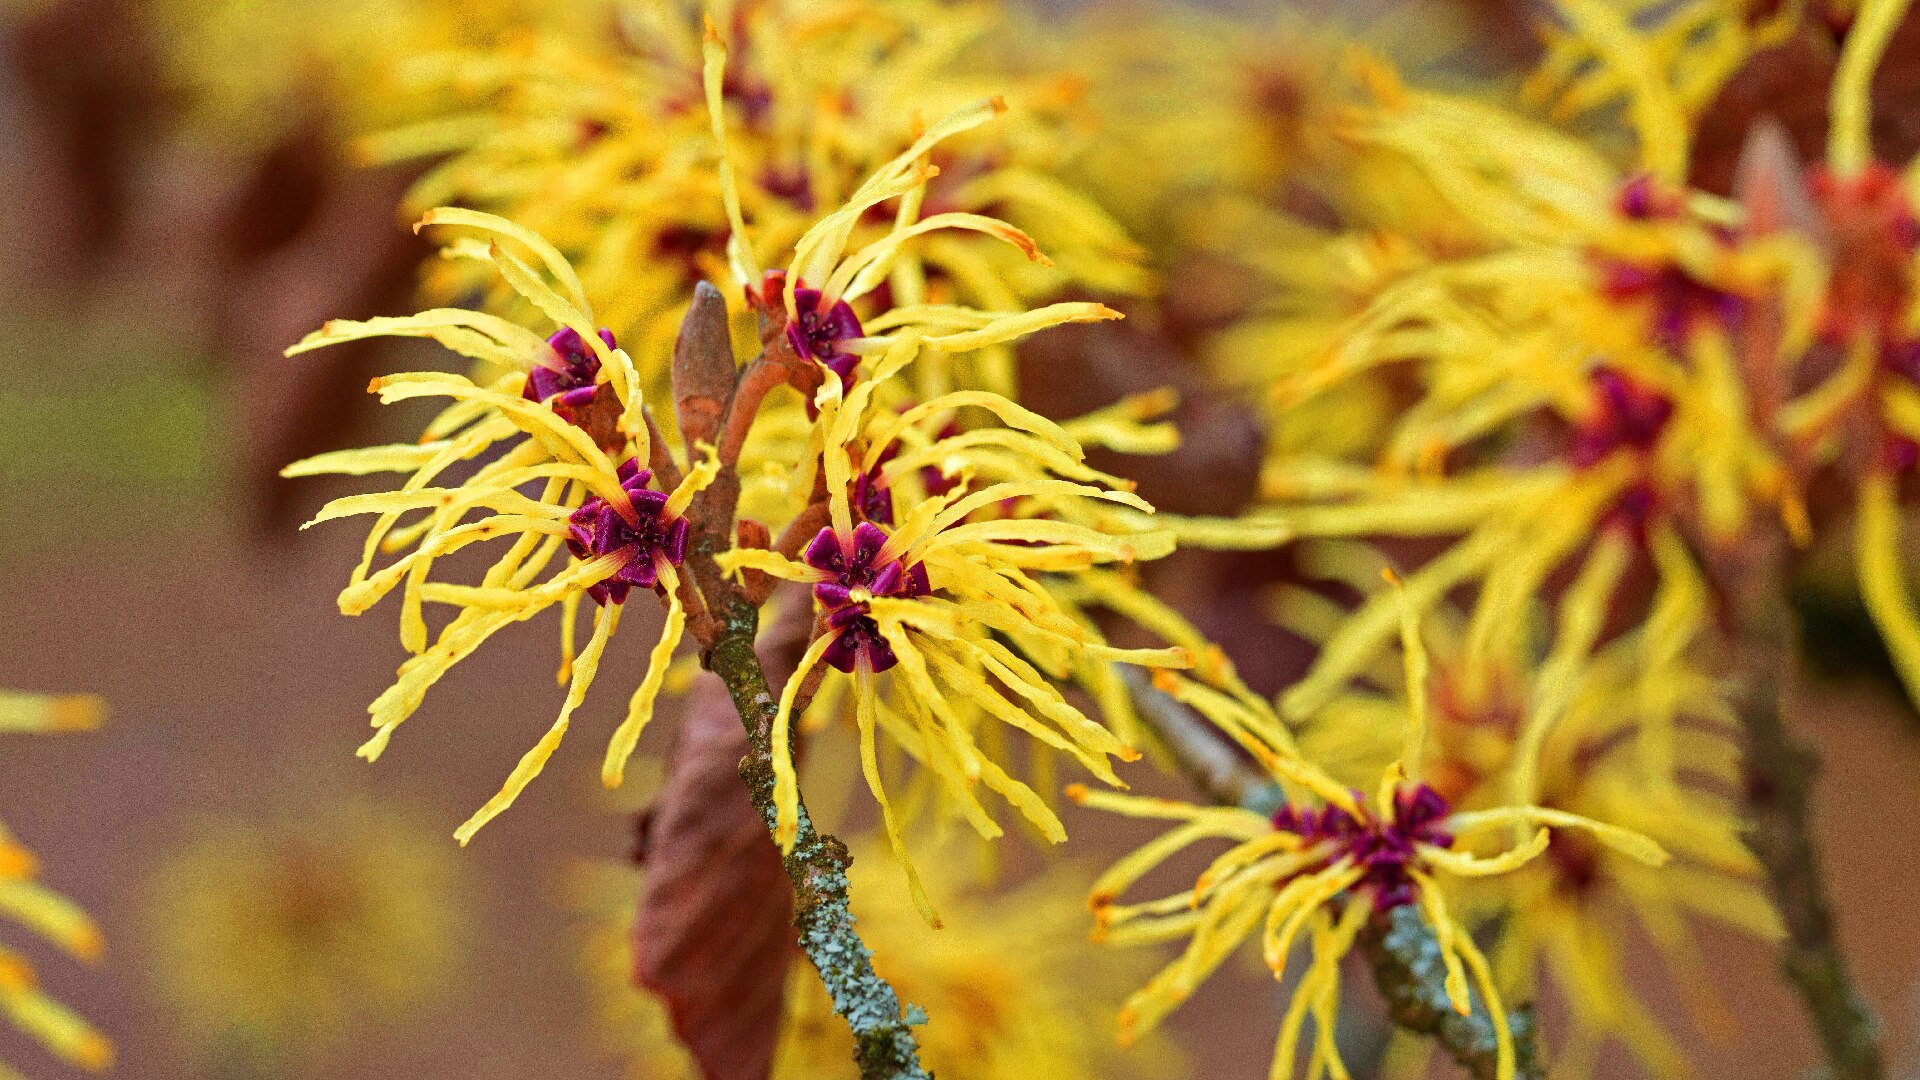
(714, 933)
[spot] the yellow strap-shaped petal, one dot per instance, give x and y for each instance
(786, 781)
(640, 708)
(50, 712)
(534, 760)
(556, 263)
(1883, 577)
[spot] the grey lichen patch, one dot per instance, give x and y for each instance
(1411, 975)
(885, 1047)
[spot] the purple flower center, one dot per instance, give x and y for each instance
(1679, 302)
(647, 534)
(816, 334)
(872, 498)
(1626, 414)
(1382, 848)
(856, 575)
(569, 380)
(856, 634)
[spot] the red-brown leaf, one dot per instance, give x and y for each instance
(714, 934)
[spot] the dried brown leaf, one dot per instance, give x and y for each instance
(714, 934)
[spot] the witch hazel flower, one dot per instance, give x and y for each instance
(578, 526)
(818, 328)
(567, 378)
(1867, 415)
(855, 571)
(1319, 869)
(852, 575)
(530, 414)
(1384, 847)
(648, 533)
(948, 620)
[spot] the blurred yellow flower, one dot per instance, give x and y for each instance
(250, 71)
(592, 134)
(276, 939)
(1628, 729)
(1011, 987)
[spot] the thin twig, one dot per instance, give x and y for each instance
(1779, 775)
(1398, 944)
(884, 1044)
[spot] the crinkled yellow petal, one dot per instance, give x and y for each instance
(786, 782)
(51, 916)
(1883, 577)
(536, 759)
(59, 1028)
(865, 694)
(1632, 844)
(713, 70)
(1467, 865)
(694, 482)
(1849, 134)
(556, 263)
(1136, 864)
(862, 271)
(1445, 932)
(400, 457)
(640, 708)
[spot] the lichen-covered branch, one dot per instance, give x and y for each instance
(1410, 975)
(884, 1044)
(1779, 776)
(885, 1047)
(1398, 944)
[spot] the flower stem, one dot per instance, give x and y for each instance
(1411, 975)
(1398, 944)
(1779, 775)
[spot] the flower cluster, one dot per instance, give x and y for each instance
(957, 589)
(1322, 866)
(1583, 388)
(1560, 383)
(589, 131)
(1631, 731)
(941, 577)
(279, 936)
(564, 420)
